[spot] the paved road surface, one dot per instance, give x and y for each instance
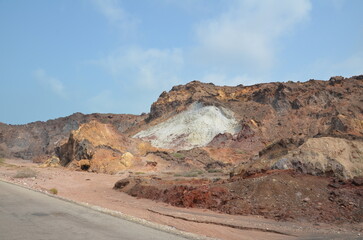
(29, 215)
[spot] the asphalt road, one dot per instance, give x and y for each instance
(25, 214)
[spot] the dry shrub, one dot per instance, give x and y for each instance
(25, 173)
(53, 191)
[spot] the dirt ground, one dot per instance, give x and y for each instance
(97, 189)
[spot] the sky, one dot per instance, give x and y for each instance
(118, 56)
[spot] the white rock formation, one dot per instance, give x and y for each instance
(195, 127)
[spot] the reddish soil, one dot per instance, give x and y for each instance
(96, 189)
(280, 195)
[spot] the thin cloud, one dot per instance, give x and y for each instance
(50, 82)
(247, 33)
(148, 68)
(116, 15)
(239, 42)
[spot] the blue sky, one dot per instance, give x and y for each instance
(110, 56)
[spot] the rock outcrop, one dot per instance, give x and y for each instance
(194, 127)
(247, 125)
(37, 140)
(100, 147)
(272, 119)
(325, 156)
(267, 113)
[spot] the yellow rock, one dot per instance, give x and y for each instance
(127, 159)
(51, 162)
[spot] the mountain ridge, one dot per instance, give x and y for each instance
(261, 110)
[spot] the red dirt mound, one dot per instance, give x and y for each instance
(281, 195)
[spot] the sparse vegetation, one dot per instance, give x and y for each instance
(5, 164)
(178, 155)
(194, 173)
(191, 174)
(216, 179)
(25, 173)
(215, 170)
(53, 191)
(139, 173)
(241, 151)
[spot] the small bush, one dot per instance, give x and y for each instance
(216, 179)
(2, 161)
(53, 191)
(215, 170)
(191, 174)
(139, 173)
(194, 173)
(25, 173)
(178, 155)
(241, 151)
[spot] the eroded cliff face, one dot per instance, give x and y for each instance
(276, 110)
(272, 119)
(102, 148)
(38, 140)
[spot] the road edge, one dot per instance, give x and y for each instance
(146, 223)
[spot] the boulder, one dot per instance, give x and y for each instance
(325, 156)
(51, 162)
(100, 147)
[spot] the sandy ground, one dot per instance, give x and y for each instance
(96, 189)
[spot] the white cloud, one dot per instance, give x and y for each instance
(150, 68)
(247, 33)
(116, 15)
(50, 82)
(240, 42)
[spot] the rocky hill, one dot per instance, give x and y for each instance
(275, 111)
(251, 127)
(259, 124)
(282, 150)
(39, 139)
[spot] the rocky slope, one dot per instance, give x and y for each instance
(281, 150)
(287, 133)
(324, 156)
(102, 148)
(272, 118)
(39, 139)
(282, 195)
(275, 111)
(256, 127)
